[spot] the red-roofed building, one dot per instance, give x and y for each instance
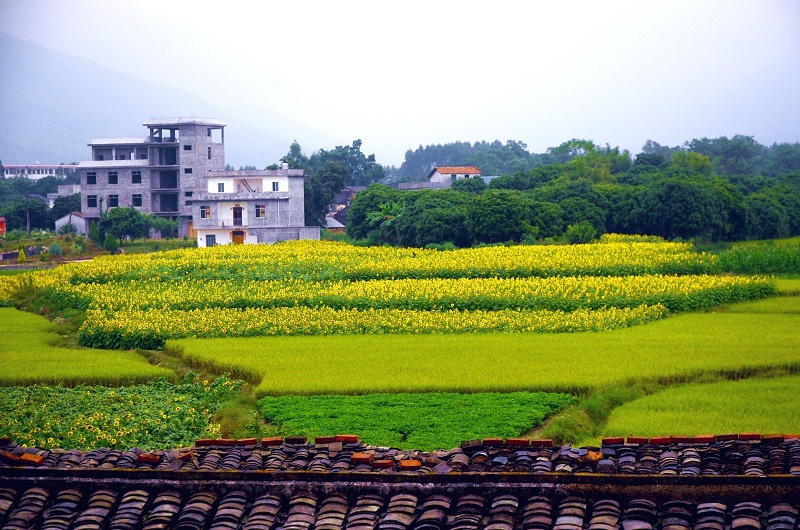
(452, 173)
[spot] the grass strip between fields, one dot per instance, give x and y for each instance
(27, 356)
(669, 350)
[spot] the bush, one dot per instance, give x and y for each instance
(111, 244)
(94, 233)
(55, 250)
(78, 246)
(21, 257)
(68, 228)
(582, 232)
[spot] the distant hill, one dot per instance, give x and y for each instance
(53, 104)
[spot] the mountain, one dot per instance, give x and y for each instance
(53, 104)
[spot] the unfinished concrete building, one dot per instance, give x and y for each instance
(179, 162)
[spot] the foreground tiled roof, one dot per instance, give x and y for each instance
(341, 483)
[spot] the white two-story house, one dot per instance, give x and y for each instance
(251, 207)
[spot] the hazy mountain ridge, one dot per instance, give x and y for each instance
(53, 104)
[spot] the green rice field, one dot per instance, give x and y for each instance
(751, 405)
(672, 349)
(27, 356)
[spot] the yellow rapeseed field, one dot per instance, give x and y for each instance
(320, 287)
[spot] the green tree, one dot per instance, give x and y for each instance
(16, 214)
(295, 157)
(469, 185)
(739, 155)
(123, 223)
(571, 149)
(362, 170)
(690, 207)
(94, 233)
(692, 161)
(498, 216)
(110, 243)
(582, 232)
(367, 201)
(166, 226)
(546, 217)
(577, 210)
(382, 222)
(765, 217)
(320, 188)
(434, 217)
(65, 205)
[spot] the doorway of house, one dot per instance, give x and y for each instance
(237, 237)
(237, 216)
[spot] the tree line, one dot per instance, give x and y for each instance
(711, 190)
(328, 172)
(14, 203)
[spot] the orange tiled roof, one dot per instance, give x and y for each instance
(453, 170)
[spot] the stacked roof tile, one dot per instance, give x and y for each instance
(340, 483)
(717, 456)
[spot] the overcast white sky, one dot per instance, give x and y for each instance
(401, 74)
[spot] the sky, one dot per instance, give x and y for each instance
(402, 74)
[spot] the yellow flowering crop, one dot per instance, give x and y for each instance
(127, 328)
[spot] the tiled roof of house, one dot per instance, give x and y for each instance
(457, 170)
(745, 482)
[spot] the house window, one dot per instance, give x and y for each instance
(91, 177)
(209, 150)
(274, 186)
(221, 187)
(261, 210)
(187, 170)
(211, 240)
(113, 201)
(113, 178)
(187, 147)
(205, 212)
(91, 201)
(188, 193)
(209, 131)
(136, 200)
(136, 177)
(100, 157)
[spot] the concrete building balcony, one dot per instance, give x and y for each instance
(208, 224)
(247, 196)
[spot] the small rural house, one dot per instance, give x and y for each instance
(452, 173)
(75, 219)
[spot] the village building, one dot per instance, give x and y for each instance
(36, 171)
(64, 190)
(453, 173)
(73, 218)
(251, 207)
(181, 162)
